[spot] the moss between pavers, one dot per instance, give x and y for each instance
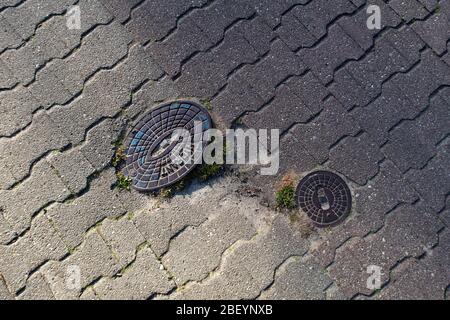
(206, 103)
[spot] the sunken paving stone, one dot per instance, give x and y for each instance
(370, 105)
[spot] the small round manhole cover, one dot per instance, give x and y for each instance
(324, 197)
(149, 144)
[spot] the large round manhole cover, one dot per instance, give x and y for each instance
(149, 144)
(324, 197)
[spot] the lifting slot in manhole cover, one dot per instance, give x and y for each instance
(149, 164)
(324, 197)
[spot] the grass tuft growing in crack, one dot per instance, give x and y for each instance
(285, 197)
(285, 194)
(123, 182)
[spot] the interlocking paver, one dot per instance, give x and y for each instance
(409, 10)
(53, 40)
(433, 182)
(298, 280)
(29, 145)
(369, 104)
(37, 288)
(154, 20)
(141, 280)
(40, 244)
(206, 73)
(75, 218)
(412, 143)
(123, 238)
(43, 187)
(4, 292)
(243, 273)
(357, 158)
(332, 52)
(435, 30)
(197, 251)
(93, 259)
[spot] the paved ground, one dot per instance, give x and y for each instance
(371, 105)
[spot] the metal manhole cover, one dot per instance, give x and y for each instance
(150, 142)
(324, 197)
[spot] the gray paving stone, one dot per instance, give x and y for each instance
(37, 288)
(43, 187)
(310, 90)
(4, 292)
(418, 84)
(89, 294)
(293, 33)
(48, 89)
(377, 117)
(388, 189)
(425, 279)
(41, 243)
(348, 91)
(154, 20)
(243, 274)
(121, 9)
(430, 4)
(409, 10)
(283, 111)
(152, 93)
(197, 251)
(53, 40)
(73, 169)
(206, 73)
(98, 147)
(96, 52)
(144, 278)
(123, 238)
(77, 118)
(435, 31)
(318, 135)
(30, 145)
(27, 16)
(298, 280)
(7, 233)
(357, 158)
(317, 15)
(407, 232)
(412, 143)
(272, 10)
(258, 34)
(433, 182)
(213, 20)
(18, 106)
(356, 25)
(375, 68)
(372, 203)
(75, 218)
(8, 3)
(181, 45)
(333, 51)
(235, 99)
(275, 68)
(9, 37)
(93, 259)
(415, 282)
(160, 225)
(7, 78)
